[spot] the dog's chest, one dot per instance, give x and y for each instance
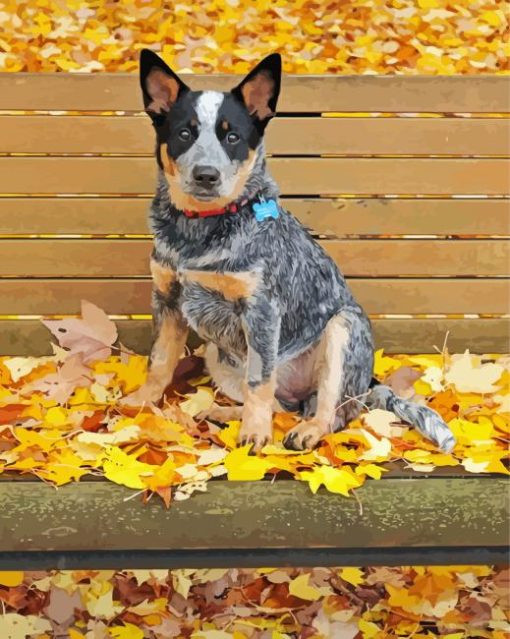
(211, 300)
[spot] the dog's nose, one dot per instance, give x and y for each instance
(206, 176)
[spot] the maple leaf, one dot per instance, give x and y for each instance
(242, 466)
(469, 376)
(336, 480)
(124, 469)
(61, 385)
(301, 588)
(198, 402)
(353, 576)
(92, 335)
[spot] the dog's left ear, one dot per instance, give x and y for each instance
(260, 88)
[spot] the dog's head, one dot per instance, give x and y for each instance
(207, 140)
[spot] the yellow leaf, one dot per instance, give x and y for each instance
(353, 576)
(74, 634)
(122, 436)
(470, 433)
(128, 631)
(368, 629)
(384, 365)
(300, 587)
(379, 448)
(371, 470)
(244, 467)
(11, 579)
(197, 402)
(147, 607)
(230, 435)
(212, 634)
(124, 469)
(56, 417)
(336, 480)
(163, 476)
(62, 467)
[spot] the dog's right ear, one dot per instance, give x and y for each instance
(160, 85)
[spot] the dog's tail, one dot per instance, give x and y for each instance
(427, 421)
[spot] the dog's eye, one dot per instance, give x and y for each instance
(185, 134)
(232, 138)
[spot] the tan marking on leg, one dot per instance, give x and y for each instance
(257, 419)
(221, 413)
(165, 354)
(329, 362)
(232, 286)
(162, 276)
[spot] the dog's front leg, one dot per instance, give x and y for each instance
(261, 322)
(170, 332)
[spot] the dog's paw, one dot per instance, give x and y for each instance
(305, 436)
(257, 433)
(144, 395)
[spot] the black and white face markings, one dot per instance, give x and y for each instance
(211, 144)
(208, 141)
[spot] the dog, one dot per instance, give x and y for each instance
(282, 328)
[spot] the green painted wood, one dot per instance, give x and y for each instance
(238, 523)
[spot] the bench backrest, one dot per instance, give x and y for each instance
(404, 178)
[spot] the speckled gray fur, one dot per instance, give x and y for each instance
(279, 327)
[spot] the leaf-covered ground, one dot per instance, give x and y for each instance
(60, 420)
(357, 36)
(454, 602)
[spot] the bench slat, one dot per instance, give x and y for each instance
(296, 176)
(287, 136)
(380, 296)
(30, 337)
(372, 216)
(300, 93)
(235, 524)
(360, 258)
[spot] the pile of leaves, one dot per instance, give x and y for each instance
(60, 420)
(360, 36)
(454, 602)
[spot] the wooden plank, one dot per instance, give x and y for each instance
(359, 258)
(300, 93)
(372, 216)
(286, 136)
(235, 524)
(30, 337)
(295, 176)
(378, 296)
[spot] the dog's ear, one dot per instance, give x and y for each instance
(260, 88)
(160, 85)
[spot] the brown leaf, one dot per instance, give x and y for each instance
(402, 380)
(92, 335)
(60, 608)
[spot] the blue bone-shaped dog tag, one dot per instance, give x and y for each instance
(266, 208)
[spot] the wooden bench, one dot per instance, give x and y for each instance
(405, 179)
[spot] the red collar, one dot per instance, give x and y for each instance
(233, 207)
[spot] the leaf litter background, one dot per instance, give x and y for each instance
(60, 420)
(354, 36)
(59, 417)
